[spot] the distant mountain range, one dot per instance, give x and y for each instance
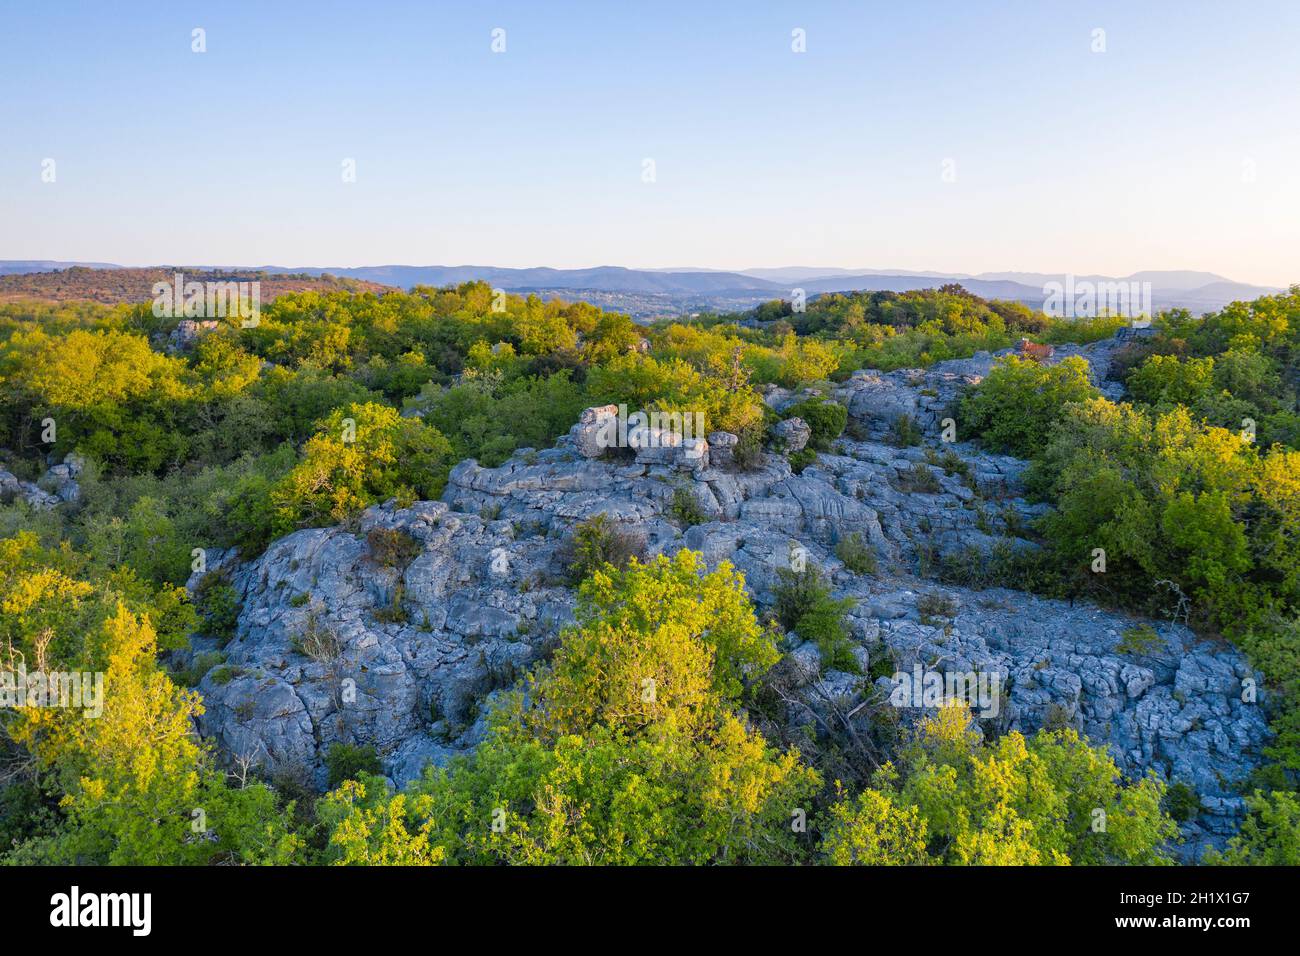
(649, 292)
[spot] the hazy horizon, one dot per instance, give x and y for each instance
(814, 271)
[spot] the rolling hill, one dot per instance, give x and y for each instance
(639, 292)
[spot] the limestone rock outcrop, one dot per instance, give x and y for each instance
(335, 645)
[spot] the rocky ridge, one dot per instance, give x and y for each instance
(338, 641)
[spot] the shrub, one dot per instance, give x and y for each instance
(1005, 566)
(1057, 718)
(1182, 802)
(905, 432)
(804, 605)
(488, 420)
(856, 554)
(350, 762)
(955, 799)
(748, 453)
(1270, 835)
(872, 830)
(685, 507)
(953, 464)
(919, 479)
(217, 604)
(1141, 639)
(825, 419)
(392, 547)
(932, 606)
(360, 455)
(597, 542)
(200, 666)
(319, 642)
(650, 763)
(1016, 404)
(801, 459)
(1168, 380)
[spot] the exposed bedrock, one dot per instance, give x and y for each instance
(338, 642)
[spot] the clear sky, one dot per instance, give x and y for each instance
(1176, 148)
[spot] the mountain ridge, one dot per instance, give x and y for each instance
(651, 292)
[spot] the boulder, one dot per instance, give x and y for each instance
(792, 434)
(721, 447)
(594, 430)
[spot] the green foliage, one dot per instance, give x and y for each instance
(1270, 835)
(358, 456)
(649, 764)
(804, 605)
(1168, 380)
(487, 418)
(1181, 802)
(919, 479)
(904, 432)
(1141, 639)
(825, 419)
(109, 392)
(127, 782)
(1164, 497)
(199, 667)
(1083, 330)
(685, 507)
(368, 826)
(1019, 401)
(801, 459)
(872, 830)
(954, 799)
(748, 453)
(597, 542)
(1197, 520)
(856, 554)
(726, 401)
(147, 540)
(217, 604)
(350, 762)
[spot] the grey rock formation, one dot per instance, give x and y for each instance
(589, 434)
(792, 434)
(334, 646)
(57, 486)
(722, 446)
(877, 400)
(188, 332)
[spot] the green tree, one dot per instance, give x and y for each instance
(627, 749)
(360, 455)
(1019, 401)
(1050, 800)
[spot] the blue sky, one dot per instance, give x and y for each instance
(1178, 147)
